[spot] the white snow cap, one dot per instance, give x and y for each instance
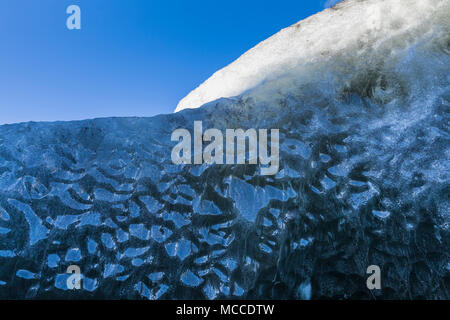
(352, 30)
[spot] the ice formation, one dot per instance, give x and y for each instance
(363, 178)
(333, 49)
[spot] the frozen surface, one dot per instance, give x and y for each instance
(335, 46)
(363, 180)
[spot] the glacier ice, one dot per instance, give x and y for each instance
(363, 179)
(333, 48)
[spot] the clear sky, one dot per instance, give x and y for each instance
(130, 58)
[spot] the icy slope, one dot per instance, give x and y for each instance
(364, 180)
(331, 49)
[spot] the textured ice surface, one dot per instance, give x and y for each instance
(363, 180)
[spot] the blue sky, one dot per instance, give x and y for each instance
(131, 57)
